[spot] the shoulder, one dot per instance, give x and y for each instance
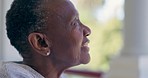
(14, 70)
(3, 73)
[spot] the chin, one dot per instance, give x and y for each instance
(82, 61)
(86, 62)
(85, 58)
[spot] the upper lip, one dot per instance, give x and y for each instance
(85, 42)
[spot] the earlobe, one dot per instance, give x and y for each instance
(39, 43)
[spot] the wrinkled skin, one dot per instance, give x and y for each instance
(69, 36)
(65, 39)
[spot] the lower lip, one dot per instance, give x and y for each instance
(85, 48)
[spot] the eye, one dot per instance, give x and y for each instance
(75, 23)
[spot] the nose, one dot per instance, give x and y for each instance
(87, 31)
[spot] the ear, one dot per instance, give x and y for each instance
(40, 43)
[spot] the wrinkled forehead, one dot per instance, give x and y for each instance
(64, 9)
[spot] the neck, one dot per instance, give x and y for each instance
(45, 67)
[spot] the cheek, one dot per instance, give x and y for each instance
(73, 46)
(67, 47)
(78, 36)
(81, 54)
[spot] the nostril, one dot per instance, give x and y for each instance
(87, 34)
(87, 31)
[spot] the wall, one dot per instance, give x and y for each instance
(7, 52)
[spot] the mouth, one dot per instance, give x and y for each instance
(85, 46)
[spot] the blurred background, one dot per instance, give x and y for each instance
(105, 19)
(118, 41)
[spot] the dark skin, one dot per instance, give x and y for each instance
(65, 41)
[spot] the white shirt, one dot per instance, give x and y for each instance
(14, 70)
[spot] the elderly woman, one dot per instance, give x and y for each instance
(48, 35)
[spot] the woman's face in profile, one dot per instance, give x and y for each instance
(69, 38)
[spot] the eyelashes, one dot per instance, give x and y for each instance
(75, 23)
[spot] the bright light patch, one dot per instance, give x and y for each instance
(111, 9)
